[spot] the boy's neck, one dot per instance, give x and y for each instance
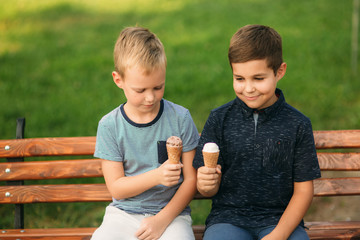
(139, 117)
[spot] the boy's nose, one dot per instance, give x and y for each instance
(150, 97)
(249, 87)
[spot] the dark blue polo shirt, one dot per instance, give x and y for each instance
(260, 162)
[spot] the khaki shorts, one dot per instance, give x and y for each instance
(119, 225)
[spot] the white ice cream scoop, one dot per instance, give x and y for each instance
(210, 147)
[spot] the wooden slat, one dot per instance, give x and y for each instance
(57, 193)
(86, 145)
(198, 231)
(337, 186)
(341, 230)
(345, 230)
(92, 167)
(47, 234)
(339, 161)
(333, 225)
(36, 170)
(47, 147)
(337, 139)
(99, 192)
(336, 234)
(54, 193)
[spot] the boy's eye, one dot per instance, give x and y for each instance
(259, 78)
(158, 88)
(139, 90)
(239, 78)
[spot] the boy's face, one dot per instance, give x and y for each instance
(143, 92)
(255, 83)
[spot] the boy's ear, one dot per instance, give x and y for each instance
(281, 71)
(118, 80)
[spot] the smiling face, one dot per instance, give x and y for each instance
(255, 83)
(143, 92)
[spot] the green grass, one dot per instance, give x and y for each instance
(56, 63)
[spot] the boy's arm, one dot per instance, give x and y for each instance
(156, 225)
(294, 212)
(121, 186)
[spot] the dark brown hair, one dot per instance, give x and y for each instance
(254, 42)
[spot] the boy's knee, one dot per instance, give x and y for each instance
(226, 231)
(179, 229)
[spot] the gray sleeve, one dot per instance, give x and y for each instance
(106, 144)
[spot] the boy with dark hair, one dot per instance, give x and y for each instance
(263, 184)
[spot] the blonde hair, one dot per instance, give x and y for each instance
(137, 46)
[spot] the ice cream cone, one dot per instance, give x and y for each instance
(174, 149)
(210, 159)
(174, 153)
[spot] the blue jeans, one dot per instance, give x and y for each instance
(228, 231)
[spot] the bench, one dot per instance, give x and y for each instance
(14, 171)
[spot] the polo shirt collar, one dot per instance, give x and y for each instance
(266, 112)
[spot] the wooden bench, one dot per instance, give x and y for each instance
(13, 171)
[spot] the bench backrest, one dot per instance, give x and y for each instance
(88, 168)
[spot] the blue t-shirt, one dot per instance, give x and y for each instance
(262, 153)
(142, 147)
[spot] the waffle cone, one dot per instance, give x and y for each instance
(174, 153)
(211, 159)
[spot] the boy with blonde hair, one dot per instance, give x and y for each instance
(150, 195)
(263, 185)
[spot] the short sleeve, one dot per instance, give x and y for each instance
(106, 145)
(189, 133)
(209, 134)
(306, 165)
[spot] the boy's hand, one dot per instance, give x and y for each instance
(208, 180)
(169, 173)
(150, 229)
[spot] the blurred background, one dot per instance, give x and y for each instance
(56, 59)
